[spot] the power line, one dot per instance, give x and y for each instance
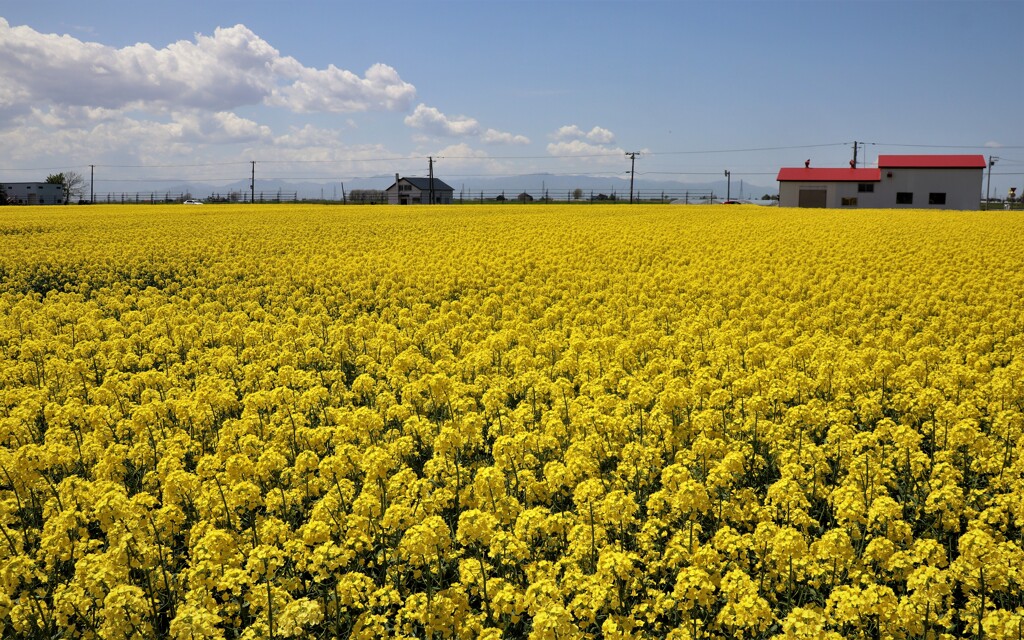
(707, 173)
(750, 150)
(610, 154)
(346, 160)
(83, 167)
(946, 146)
(167, 166)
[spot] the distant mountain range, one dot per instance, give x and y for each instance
(557, 187)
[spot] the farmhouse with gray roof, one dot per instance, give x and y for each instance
(418, 191)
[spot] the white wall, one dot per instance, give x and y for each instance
(789, 194)
(961, 186)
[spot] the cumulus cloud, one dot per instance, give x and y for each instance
(461, 151)
(462, 156)
(583, 148)
(493, 136)
(90, 134)
(589, 147)
(600, 135)
(570, 132)
(232, 68)
(432, 121)
(337, 90)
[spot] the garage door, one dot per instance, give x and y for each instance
(812, 198)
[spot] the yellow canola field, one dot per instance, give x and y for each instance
(544, 422)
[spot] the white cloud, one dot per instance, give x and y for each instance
(432, 121)
(992, 144)
(237, 129)
(461, 151)
(586, 149)
(80, 134)
(231, 68)
(600, 135)
(597, 135)
(337, 90)
(583, 148)
(293, 153)
(462, 156)
(493, 136)
(306, 137)
(569, 132)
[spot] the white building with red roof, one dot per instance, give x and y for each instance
(899, 181)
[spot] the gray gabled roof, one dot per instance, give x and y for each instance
(423, 184)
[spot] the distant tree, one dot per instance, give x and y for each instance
(501, 198)
(74, 184)
(577, 193)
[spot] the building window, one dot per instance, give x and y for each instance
(904, 197)
(849, 202)
(936, 198)
(866, 187)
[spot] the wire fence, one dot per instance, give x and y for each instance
(694, 196)
(463, 196)
(154, 197)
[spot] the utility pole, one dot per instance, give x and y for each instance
(854, 165)
(431, 169)
(252, 182)
(632, 171)
(988, 183)
(728, 185)
(92, 190)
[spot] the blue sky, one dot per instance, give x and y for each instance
(189, 89)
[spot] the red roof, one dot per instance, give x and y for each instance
(815, 174)
(933, 162)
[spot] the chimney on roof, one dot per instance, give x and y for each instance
(396, 178)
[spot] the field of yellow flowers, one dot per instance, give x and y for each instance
(549, 422)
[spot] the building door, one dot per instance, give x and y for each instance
(813, 198)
